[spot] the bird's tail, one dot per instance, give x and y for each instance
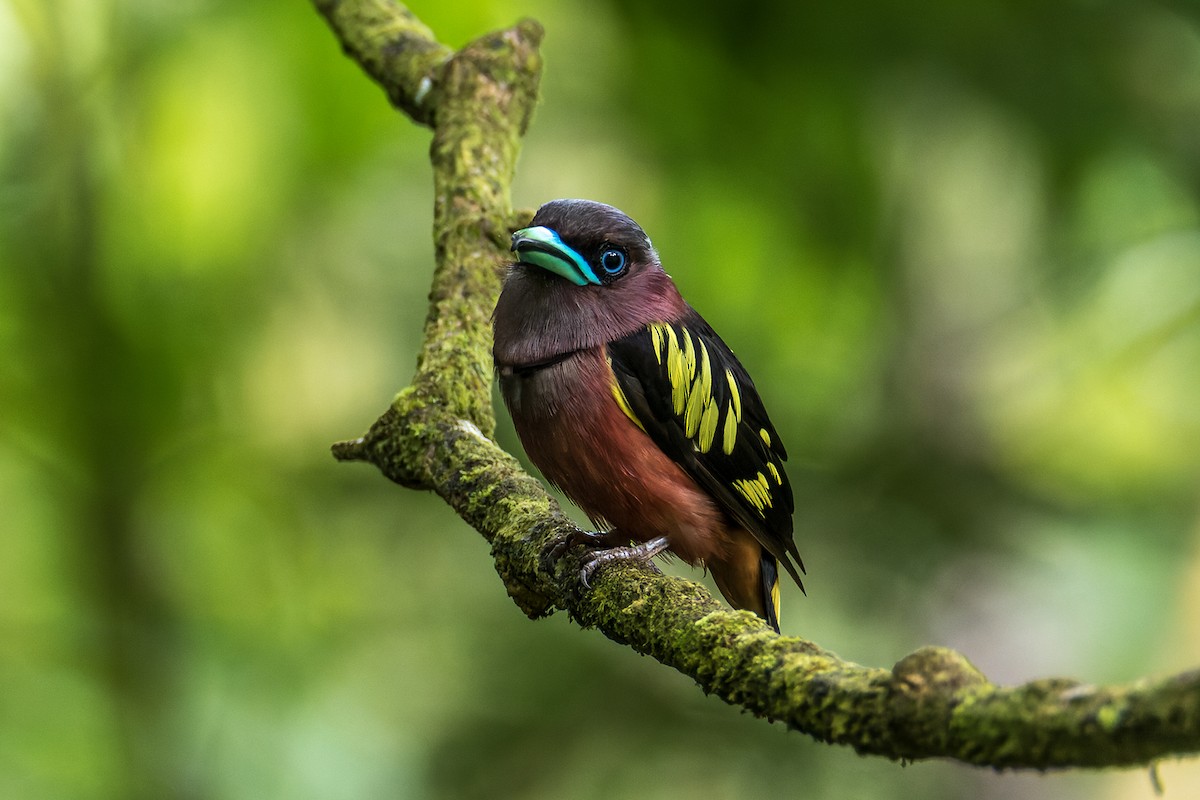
(769, 578)
(749, 579)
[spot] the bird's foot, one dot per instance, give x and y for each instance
(589, 539)
(643, 552)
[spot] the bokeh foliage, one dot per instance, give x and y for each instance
(958, 246)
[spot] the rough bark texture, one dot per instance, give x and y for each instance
(437, 435)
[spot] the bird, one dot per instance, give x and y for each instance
(628, 401)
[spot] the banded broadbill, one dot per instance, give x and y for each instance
(629, 402)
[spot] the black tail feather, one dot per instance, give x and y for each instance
(769, 569)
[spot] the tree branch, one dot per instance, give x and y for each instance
(437, 435)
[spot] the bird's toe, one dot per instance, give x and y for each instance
(558, 546)
(643, 552)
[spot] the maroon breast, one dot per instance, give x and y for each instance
(577, 435)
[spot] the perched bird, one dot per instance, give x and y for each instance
(630, 403)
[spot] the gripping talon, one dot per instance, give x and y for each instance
(643, 552)
(591, 539)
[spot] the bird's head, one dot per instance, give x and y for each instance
(585, 274)
(584, 243)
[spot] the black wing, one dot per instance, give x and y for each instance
(688, 391)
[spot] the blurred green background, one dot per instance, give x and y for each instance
(957, 244)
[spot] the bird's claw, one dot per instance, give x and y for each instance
(643, 552)
(600, 552)
(590, 539)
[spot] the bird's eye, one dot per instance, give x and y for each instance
(613, 261)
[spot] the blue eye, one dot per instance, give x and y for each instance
(613, 261)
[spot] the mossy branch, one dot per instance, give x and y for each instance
(437, 435)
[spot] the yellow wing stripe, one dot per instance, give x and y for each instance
(704, 379)
(675, 371)
(756, 491)
(747, 489)
(730, 432)
(622, 400)
(692, 413)
(672, 341)
(764, 488)
(736, 402)
(689, 353)
(708, 426)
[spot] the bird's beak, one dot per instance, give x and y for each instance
(543, 248)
